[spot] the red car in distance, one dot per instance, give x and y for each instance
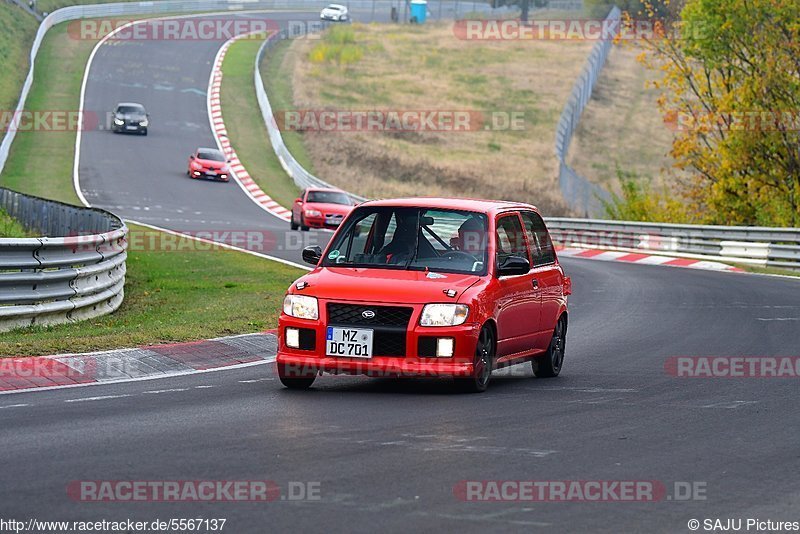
(320, 208)
(428, 287)
(209, 163)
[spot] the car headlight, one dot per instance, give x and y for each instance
(444, 314)
(301, 306)
(119, 122)
(144, 123)
(313, 213)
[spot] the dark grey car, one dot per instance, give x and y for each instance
(129, 117)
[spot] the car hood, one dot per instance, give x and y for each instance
(384, 285)
(211, 163)
(131, 116)
(328, 208)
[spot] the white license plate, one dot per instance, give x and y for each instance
(131, 127)
(348, 342)
(333, 221)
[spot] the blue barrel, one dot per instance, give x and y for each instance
(419, 11)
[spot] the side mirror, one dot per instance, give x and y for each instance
(312, 255)
(513, 265)
(191, 156)
(298, 200)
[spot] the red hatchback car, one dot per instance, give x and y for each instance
(320, 208)
(209, 163)
(428, 287)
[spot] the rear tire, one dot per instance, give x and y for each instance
(484, 361)
(296, 380)
(549, 365)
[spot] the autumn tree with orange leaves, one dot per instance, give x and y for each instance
(731, 89)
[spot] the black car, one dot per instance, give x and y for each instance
(130, 118)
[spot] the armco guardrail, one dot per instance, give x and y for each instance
(301, 177)
(755, 245)
(77, 275)
(579, 193)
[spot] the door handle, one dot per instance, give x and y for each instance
(535, 283)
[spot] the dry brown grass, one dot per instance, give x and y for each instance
(622, 125)
(427, 68)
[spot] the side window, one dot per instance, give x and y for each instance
(539, 238)
(510, 238)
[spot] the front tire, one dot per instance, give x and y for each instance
(292, 224)
(484, 361)
(295, 380)
(303, 227)
(549, 365)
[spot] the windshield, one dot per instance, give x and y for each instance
(329, 197)
(130, 109)
(211, 155)
(412, 238)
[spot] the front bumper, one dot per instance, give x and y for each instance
(319, 222)
(129, 128)
(301, 362)
(379, 366)
(209, 176)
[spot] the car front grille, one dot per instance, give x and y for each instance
(389, 324)
(354, 314)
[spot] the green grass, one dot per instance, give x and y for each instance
(766, 270)
(172, 296)
(11, 228)
(52, 5)
(40, 162)
(246, 129)
(338, 46)
(278, 84)
(19, 29)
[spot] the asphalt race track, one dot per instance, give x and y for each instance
(390, 454)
